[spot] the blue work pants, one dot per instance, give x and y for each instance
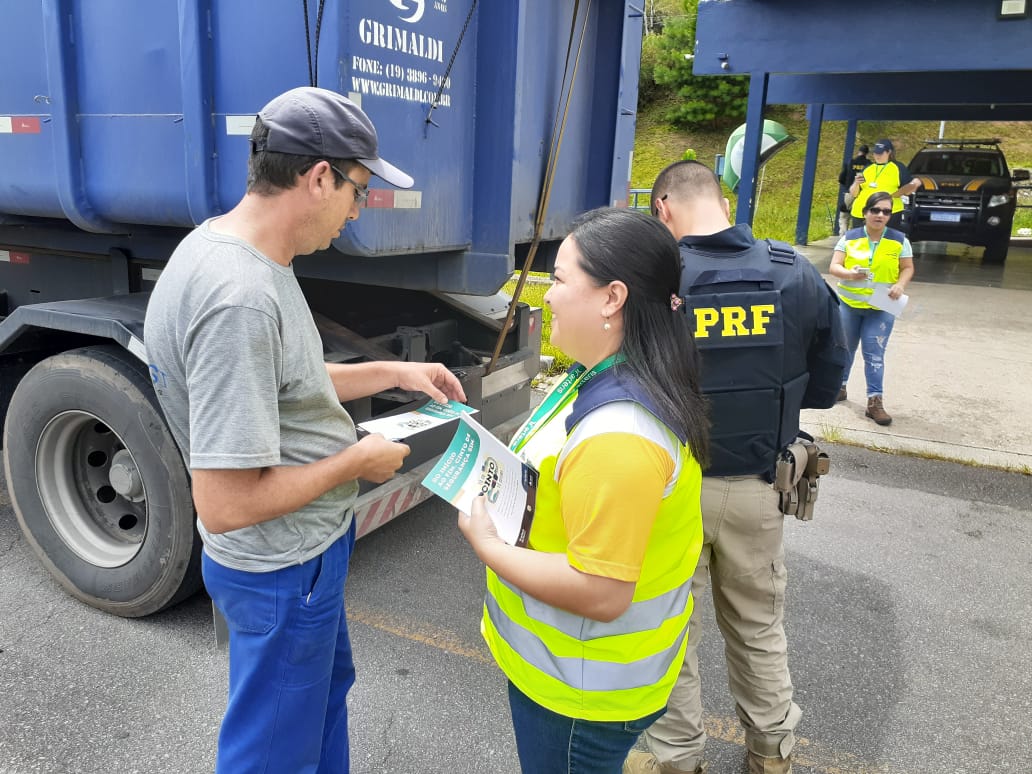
(290, 665)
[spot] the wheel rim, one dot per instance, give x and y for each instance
(91, 489)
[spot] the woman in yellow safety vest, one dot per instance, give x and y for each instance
(589, 622)
(870, 260)
(883, 175)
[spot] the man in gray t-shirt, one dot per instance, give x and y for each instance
(238, 369)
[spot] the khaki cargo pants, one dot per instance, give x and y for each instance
(743, 558)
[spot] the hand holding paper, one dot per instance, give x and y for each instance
(432, 379)
(879, 297)
(477, 525)
(381, 458)
(476, 463)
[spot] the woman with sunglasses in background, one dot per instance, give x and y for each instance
(880, 254)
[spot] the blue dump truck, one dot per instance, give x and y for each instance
(125, 124)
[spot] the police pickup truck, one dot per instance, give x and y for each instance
(967, 195)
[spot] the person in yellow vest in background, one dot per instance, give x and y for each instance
(884, 174)
(880, 254)
(589, 622)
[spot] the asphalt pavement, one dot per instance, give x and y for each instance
(908, 622)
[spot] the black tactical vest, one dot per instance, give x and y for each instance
(753, 321)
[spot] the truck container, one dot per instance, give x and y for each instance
(125, 124)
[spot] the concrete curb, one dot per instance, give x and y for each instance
(884, 440)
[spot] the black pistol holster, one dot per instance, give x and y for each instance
(796, 476)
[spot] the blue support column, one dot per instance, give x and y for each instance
(813, 144)
(847, 156)
(751, 147)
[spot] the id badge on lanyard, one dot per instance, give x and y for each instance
(560, 396)
(874, 183)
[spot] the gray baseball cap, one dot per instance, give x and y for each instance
(309, 121)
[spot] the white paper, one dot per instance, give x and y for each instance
(880, 298)
(397, 427)
(476, 463)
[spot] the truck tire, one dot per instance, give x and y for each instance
(996, 252)
(98, 485)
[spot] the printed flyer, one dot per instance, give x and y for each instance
(476, 463)
(399, 426)
(879, 296)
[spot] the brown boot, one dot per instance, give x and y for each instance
(640, 762)
(877, 412)
(760, 765)
(841, 394)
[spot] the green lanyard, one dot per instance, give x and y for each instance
(872, 245)
(575, 378)
(881, 168)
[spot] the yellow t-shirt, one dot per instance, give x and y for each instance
(602, 482)
(611, 475)
(880, 177)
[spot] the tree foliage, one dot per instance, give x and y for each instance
(648, 89)
(655, 15)
(706, 99)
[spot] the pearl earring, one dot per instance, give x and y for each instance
(606, 326)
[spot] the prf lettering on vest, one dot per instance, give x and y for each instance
(735, 320)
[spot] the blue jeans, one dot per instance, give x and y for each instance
(549, 743)
(870, 328)
(290, 665)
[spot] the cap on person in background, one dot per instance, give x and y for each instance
(863, 150)
(883, 146)
(308, 121)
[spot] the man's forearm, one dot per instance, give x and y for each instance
(359, 380)
(233, 499)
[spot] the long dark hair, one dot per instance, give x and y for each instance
(629, 246)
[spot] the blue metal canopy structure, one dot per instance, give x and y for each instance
(918, 60)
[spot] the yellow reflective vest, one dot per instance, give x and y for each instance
(878, 177)
(579, 667)
(883, 261)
